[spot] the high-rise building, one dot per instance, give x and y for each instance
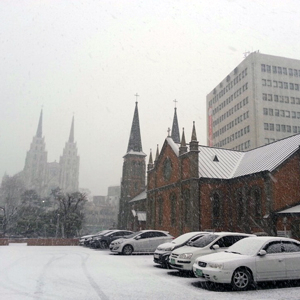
(255, 104)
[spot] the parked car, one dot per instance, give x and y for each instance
(83, 238)
(142, 241)
(88, 239)
(183, 258)
(163, 251)
(252, 260)
(103, 241)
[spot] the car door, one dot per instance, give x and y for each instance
(272, 265)
(141, 243)
(226, 241)
(292, 259)
(157, 238)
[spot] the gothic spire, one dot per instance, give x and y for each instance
(150, 157)
(175, 128)
(71, 137)
(194, 136)
(183, 147)
(39, 132)
(157, 153)
(135, 143)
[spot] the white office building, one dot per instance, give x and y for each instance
(255, 104)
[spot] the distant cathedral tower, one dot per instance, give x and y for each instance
(134, 171)
(36, 161)
(69, 165)
(175, 128)
(42, 176)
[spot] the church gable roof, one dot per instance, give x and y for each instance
(226, 164)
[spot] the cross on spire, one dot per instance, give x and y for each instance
(175, 101)
(136, 96)
(169, 131)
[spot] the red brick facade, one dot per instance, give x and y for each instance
(178, 201)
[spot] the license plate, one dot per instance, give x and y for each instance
(156, 255)
(199, 272)
(173, 261)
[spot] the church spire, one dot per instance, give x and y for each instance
(71, 137)
(39, 132)
(183, 147)
(175, 128)
(135, 143)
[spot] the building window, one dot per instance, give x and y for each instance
(279, 70)
(239, 206)
(282, 114)
(276, 98)
(294, 129)
(297, 100)
(216, 210)
(292, 100)
(187, 206)
(291, 86)
(269, 83)
(277, 127)
(280, 84)
(298, 115)
(263, 68)
(284, 71)
(271, 127)
(160, 211)
(297, 85)
(268, 69)
(173, 203)
(255, 203)
(286, 99)
(270, 97)
(286, 86)
(288, 128)
(275, 84)
(266, 126)
(264, 82)
(265, 97)
(291, 72)
(276, 112)
(287, 114)
(295, 73)
(270, 111)
(293, 115)
(274, 69)
(265, 111)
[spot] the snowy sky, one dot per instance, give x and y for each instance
(89, 58)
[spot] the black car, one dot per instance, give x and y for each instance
(103, 241)
(87, 240)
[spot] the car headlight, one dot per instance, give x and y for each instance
(186, 255)
(215, 265)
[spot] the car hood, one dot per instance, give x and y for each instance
(222, 257)
(166, 245)
(188, 249)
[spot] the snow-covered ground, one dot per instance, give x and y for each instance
(63, 272)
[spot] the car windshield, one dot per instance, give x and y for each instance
(204, 240)
(183, 238)
(248, 246)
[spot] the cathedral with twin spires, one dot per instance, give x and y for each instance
(43, 176)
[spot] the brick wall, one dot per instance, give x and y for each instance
(41, 242)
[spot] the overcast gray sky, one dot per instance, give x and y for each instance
(89, 58)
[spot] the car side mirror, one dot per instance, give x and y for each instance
(262, 253)
(215, 247)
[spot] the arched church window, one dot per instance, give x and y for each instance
(255, 202)
(173, 205)
(239, 206)
(216, 209)
(160, 210)
(187, 205)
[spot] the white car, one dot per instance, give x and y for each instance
(183, 258)
(163, 251)
(251, 260)
(142, 241)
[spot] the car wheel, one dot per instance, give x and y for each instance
(127, 250)
(241, 279)
(103, 245)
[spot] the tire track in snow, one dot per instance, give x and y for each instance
(92, 282)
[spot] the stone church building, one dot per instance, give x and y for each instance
(43, 176)
(191, 187)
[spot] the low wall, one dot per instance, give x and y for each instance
(40, 242)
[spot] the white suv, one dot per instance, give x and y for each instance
(183, 258)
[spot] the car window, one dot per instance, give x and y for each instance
(291, 247)
(227, 241)
(158, 234)
(146, 235)
(204, 240)
(274, 247)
